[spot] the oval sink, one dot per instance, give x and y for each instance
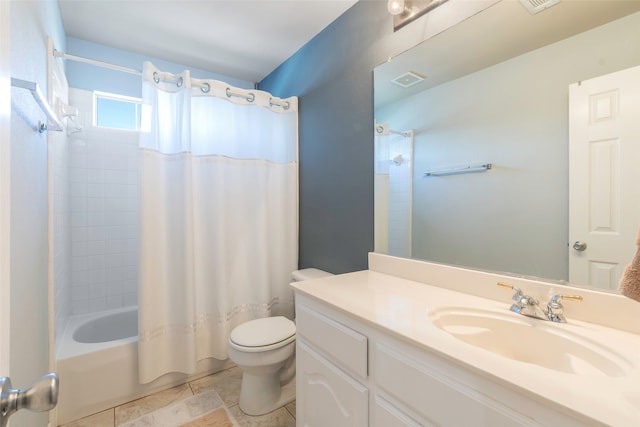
(531, 341)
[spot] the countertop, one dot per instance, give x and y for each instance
(402, 308)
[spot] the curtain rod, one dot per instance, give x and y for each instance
(205, 87)
(58, 54)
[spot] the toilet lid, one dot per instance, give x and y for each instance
(263, 332)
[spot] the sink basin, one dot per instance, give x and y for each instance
(528, 340)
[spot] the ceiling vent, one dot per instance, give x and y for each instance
(408, 79)
(535, 6)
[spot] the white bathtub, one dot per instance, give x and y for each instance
(97, 361)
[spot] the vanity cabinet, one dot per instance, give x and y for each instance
(355, 373)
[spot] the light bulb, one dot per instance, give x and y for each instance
(395, 7)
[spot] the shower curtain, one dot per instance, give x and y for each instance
(218, 216)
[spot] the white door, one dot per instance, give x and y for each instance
(604, 177)
(5, 127)
(24, 342)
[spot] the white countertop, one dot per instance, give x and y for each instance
(401, 307)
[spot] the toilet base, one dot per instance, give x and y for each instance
(266, 394)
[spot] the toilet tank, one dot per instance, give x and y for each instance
(308, 274)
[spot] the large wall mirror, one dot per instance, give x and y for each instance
(476, 128)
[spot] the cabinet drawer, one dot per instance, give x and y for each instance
(436, 397)
(343, 345)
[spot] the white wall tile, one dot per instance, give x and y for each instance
(115, 301)
(131, 299)
(97, 304)
(78, 204)
(79, 219)
(98, 275)
(79, 234)
(79, 263)
(103, 211)
(115, 288)
(96, 247)
(95, 176)
(97, 290)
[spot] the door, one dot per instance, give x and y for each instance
(604, 195)
(24, 335)
(5, 126)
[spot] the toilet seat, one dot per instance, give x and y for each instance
(263, 334)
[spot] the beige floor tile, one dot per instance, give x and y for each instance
(217, 418)
(181, 412)
(291, 407)
(278, 418)
(101, 419)
(137, 408)
(226, 383)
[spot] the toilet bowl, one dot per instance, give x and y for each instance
(264, 349)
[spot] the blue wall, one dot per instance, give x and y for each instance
(333, 77)
(91, 77)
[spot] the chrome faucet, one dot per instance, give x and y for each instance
(529, 306)
(525, 304)
(555, 310)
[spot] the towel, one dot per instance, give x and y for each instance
(630, 281)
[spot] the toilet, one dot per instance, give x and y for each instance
(264, 349)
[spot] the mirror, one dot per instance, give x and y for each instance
(492, 93)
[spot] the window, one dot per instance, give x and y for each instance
(116, 111)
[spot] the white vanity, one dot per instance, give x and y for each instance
(410, 343)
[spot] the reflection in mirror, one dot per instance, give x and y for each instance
(511, 89)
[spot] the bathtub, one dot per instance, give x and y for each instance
(97, 361)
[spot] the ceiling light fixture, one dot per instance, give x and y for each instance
(396, 7)
(406, 11)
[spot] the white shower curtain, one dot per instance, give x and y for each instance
(219, 216)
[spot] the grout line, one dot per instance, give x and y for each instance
(289, 411)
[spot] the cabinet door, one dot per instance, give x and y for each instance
(326, 396)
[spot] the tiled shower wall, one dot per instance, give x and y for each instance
(59, 218)
(103, 208)
(60, 228)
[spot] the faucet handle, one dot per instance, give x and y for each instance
(555, 309)
(517, 296)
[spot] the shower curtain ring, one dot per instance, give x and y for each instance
(180, 81)
(206, 89)
(155, 77)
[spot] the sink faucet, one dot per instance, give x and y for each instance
(529, 306)
(555, 310)
(525, 304)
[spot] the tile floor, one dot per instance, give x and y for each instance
(207, 402)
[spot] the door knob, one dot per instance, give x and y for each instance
(579, 246)
(41, 396)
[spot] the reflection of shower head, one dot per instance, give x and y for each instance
(73, 126)
(382, 129)
(68, 111)
(63, 110)
(397, 160)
